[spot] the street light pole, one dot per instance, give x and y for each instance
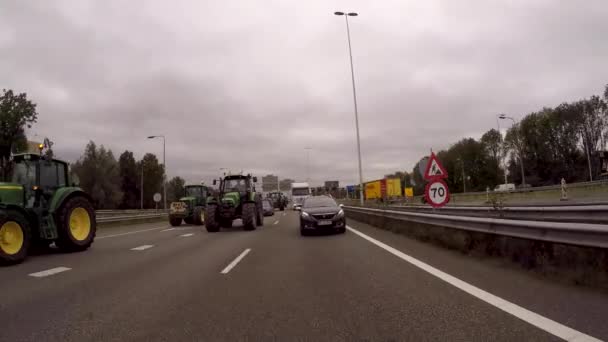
(521, 152)
(464, 180)
(502, 159)
(352, 74)
(308, 163)
(142, 184)
(164, 170)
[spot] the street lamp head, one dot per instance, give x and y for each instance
(353, 14)
(339, 13)
(152, 137)
(502, 116)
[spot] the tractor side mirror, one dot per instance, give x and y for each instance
(255, 179)
(214, 182)
(341, 205)
(75, 180)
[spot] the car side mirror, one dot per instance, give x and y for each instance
(255, 179)
(341, 205)
(214, 182)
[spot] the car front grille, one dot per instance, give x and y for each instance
(324, 216)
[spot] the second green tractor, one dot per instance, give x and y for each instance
(236, 199)
(191, 207)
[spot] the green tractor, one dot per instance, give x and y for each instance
(279, 200)
(237, 199)
(191, 207)
(39, 206)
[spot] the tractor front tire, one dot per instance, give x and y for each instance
(199, 216)
(175, 221)
(249, 216)
(15, 237)
(76, 225)
(260, 215)
(211, 222)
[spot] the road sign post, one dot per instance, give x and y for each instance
(157, 197)
(436, 192)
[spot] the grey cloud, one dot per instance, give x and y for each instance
(235, 84)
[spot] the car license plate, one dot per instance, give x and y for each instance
(325, 223)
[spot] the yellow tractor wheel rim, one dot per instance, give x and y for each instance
(80, 224)
(11, 237)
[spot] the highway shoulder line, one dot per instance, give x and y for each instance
(142, 248)
(235, 261)
(525, 315)
(49, 272)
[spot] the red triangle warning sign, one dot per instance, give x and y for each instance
(434, 169)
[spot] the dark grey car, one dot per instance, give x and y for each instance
(321, 213)
(267, 207)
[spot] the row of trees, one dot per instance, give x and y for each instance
(118, 183)
(553, 143)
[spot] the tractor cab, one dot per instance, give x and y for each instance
(38, 177)
(196, 193)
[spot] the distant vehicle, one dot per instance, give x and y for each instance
(190, 207)
(267, 207)
(299, 192)
(505, 187)
(321, 213)
(279, 200)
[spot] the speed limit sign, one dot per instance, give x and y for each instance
(436, 193)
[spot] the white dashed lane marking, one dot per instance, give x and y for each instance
(142, 248)
(235, 261)
(49, 272)
(276, 222)
(187, 235)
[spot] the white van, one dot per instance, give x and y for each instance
(505, 187)
(299, 192)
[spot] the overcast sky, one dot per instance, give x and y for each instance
(247, 86)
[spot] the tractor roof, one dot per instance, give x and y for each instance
(33, 156)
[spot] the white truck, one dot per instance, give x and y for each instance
(299, 192)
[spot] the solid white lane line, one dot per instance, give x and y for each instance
(276, 222)
(187, 235)
(526, 315)
(128, 233)
(235, 261)
(49, 272)
(142, 248)
(168, 229)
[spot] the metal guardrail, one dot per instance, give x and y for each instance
(580, 234)
(576, 214)
(126, 218)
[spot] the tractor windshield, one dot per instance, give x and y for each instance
(24, 173)
(239, 185)
(195, 191)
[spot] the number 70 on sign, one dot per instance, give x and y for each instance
(437, 193)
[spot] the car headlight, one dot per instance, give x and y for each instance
(305, 215)
(340, 214)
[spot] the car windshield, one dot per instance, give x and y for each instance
(318, 202)
(195, 191)
(238, 184)
(300, 191)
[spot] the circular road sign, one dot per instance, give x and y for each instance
(437, 193)
(157, 197)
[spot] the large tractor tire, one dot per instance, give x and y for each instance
(282, 207)
(175, 221)
(259, 220)
(249, 216)
(15, 237)
(211, 222)
(199, 216)
(76, 225)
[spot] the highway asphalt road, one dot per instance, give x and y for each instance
(151, 283)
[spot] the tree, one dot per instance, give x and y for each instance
(129, 180)
(492, 143)
(593, 126)
(99, 176)
(153, 178)
(16, 113)
(175, 189)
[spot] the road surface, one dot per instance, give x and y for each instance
(152, 283)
